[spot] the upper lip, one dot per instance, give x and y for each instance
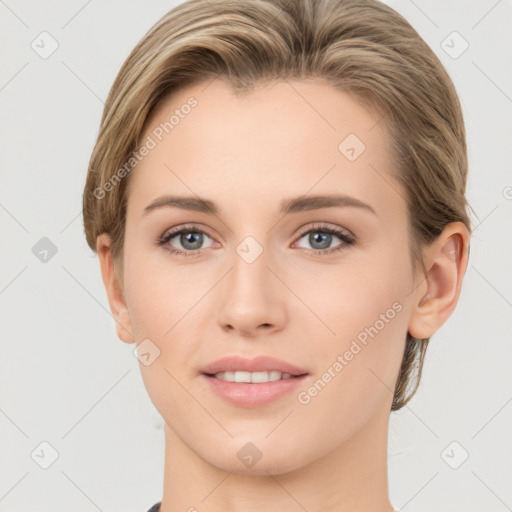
(257, 364)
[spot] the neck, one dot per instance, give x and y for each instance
(353, 477)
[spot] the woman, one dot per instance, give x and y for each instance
(277, 200)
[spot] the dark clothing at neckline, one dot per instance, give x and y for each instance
(155, 507)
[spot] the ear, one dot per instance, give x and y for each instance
(114, 289)
(436, 294)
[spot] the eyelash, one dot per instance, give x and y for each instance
(344, 236)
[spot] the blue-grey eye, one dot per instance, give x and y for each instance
(189, 240)
(319, 240)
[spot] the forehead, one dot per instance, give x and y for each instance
(282, 139)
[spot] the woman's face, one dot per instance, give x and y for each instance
(305, 260)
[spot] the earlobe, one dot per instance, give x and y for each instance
(114, 289)
(438, 291)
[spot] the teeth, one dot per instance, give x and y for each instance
(252, 377)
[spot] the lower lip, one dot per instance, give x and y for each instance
(249, 395)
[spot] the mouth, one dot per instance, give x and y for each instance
(250, 383)
(241, 376)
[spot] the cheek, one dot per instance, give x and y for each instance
(161, 304)
(159, 293)
(352, 295)
(365, 306)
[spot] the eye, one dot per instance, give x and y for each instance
(189, 240)
(320, 238)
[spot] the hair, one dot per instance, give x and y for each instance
(361, 47)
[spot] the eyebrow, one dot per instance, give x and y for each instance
(294, 205)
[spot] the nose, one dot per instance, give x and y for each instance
(252, 298)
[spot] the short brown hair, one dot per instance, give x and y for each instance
(361, 47)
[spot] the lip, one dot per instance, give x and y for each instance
(257, 364)
(250, 395)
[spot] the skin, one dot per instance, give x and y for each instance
(247, 154)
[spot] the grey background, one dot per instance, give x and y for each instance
(65, 378)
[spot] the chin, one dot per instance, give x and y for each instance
(245, 457)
